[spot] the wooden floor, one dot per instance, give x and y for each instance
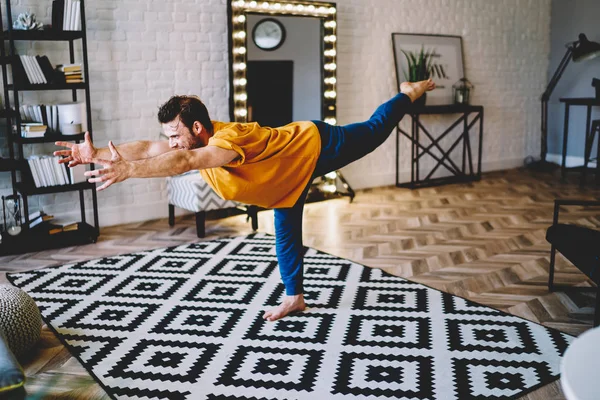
(484, 241)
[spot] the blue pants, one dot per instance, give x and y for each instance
(340, 145)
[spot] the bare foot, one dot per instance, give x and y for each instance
(289, 305)
(414, 90)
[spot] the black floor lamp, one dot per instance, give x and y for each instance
(579, 50)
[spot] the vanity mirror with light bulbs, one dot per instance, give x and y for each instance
(282, 58)
(282, 61)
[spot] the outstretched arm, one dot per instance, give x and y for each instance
(117, 169)
(77, 152)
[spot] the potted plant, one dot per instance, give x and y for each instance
(419, 68)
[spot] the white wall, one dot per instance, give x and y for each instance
(142, 52)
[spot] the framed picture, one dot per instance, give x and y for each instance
(440, 56)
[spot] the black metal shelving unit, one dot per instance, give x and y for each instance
(36, 240)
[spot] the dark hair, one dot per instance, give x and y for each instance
(189, 109)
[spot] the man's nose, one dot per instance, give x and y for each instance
(172, 144)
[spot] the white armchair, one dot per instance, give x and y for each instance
(190, 192)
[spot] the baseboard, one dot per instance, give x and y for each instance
(371, 180)
(570, 161)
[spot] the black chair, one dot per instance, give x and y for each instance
(579, 245)
(589, 141)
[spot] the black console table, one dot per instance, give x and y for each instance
(418, 149)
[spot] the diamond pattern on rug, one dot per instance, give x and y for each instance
(382, 331)
(162, 360)
(194, 321)
(301, 328)
(186, 323)
(388, 376)
(293, 370)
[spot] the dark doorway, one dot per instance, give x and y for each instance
(270, 90)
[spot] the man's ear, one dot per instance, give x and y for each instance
(197, 128)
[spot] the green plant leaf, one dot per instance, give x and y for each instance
(407, 76)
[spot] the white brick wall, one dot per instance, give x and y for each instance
(142, 52)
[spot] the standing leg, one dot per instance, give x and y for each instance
(290, 255)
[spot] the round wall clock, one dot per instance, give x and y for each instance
(268, 34)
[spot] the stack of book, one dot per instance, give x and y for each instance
(38, 218)
(72, 72)
(66, 15)
(33, 130)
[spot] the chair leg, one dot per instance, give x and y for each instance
(253, 214)
(171, 215)
(551, 271)
(597, 310)
(589, 141)
(596, 130)
(200, 219)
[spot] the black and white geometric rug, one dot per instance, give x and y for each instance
(185, 323)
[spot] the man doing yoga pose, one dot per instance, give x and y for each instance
(262, 166)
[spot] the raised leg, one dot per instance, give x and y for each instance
(341, 145)
(171, 215)
(200, 220)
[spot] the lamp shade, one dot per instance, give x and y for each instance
(585, 50)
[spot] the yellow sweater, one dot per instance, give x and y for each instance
(274, 166)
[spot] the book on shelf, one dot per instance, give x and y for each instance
(53, 226)
(46, 171)
(76, 173)
(66, 15)
(34, 70)
(38, 218)
(61, 225)
(45, 114)
(72, 68)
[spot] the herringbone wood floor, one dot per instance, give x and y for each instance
(484, 241)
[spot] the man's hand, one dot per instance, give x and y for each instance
(76, 153)
(115, 170)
